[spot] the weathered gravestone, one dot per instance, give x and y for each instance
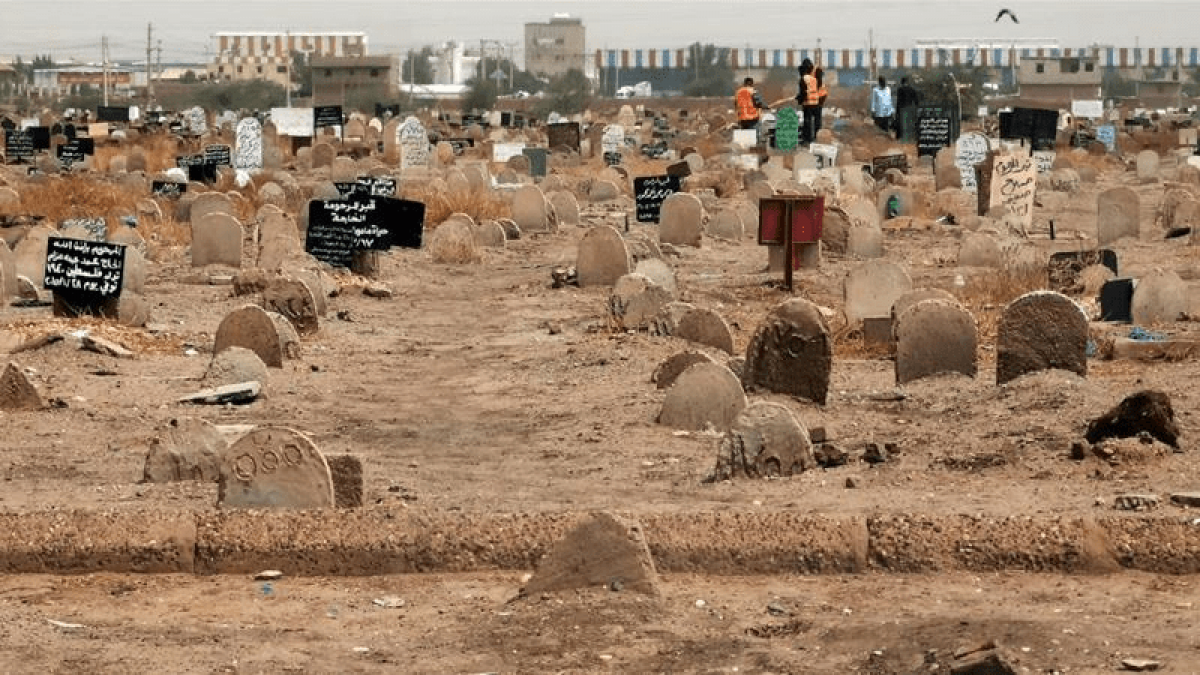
(682, 220)
(322, 155)
(251, 327)
(1147, 165)
(217, 240)
(1158, 298)
(531, 211)
(565, 206)
(766, 440)
(603, 257)
(791, 353)
(274, 467)
(187, 450)
(600, 550)
(636, 301)
(705, 394)
(668, 371)
(413, 142)
(871, 288)
(196, 121)
(8, 273)
(1013, 185)
(294, 300)
(17, 392)
(1040, 331)
(934, 336)
(970, 149)
(704, 326)
(1118, 215)
(658, 271)
(726, 224)
(30, 254)
(234, 365)
(979, 249)
(206, 203)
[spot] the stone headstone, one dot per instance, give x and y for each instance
(871, 288)
(565, 206)
(251, 327)
(233, 365)
(636, 301)
(603, 190)
(668, 371)
(1147, 165)
(1040, 331)
(911, 298)
(274, 467)
(454, 242)
(971, 148)
(934, 336)
(681, 221)
(490, 234)
(726, 224)
(248, 146)
(658, 271)
(704, 326)
(294, 300)
(413, 142)
(8, 273)
(217, 240)
(196, 120)
(1159, 297)
(864, 241)
(322, 155)
(603, 257)
(207, 203)
(530, 210)
(601, 550)
(17, 392)
(705, 394)
(30, 255)
(187, 450)
(766, 440)
(791, 352)
(1118, 215)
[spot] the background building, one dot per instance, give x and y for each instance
(265, 56)
(556, 47)
(336, 79)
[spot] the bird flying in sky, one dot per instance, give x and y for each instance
(1003, 12)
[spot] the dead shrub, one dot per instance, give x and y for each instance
(986, 296)
(480, 204)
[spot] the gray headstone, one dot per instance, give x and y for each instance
(705, 394)
(1118, 215)
(791, 352)
(635, 301)
(935, 336)
(1159, 297)
(1040, 331)
(251, 327)
(530, 210)
(274, 467)
(704, 326)
(766, 440)
(681, 220)
(911, 298)
(603, 257)
(216, 240)
(871, 288)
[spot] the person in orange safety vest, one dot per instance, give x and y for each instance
(748, 104)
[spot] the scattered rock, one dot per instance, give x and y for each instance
(1135, 502)
(1148, 411)
(1140, 665)
(17, 392)
(243, 392)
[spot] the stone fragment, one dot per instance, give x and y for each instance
(636, 301)
(766, 441)
(17, 392)
(601, 550)
(668, 371)
(1140, 665)
(705, 394)
(100, 345)
(237, 394)
(1189, 499)
(346, 471)
(1040, 331)
(985, 662)
(234, 365)
(274, 467)
(603, 257)
(935, 336)
(1145, 411)
(294, 300)
(791, 352)
(188, 449)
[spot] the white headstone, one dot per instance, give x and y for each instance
(971, 149)
(414, 144)
(1014, 182)
(248, 151)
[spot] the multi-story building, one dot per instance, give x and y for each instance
(336, 77)
(556, 47)
(266, 56)
(66, 80)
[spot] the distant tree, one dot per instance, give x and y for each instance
(568, 93)
(481, 95)
(417, 69)
(189, 77)
(302, 77)
(937, 87)
(711, 74)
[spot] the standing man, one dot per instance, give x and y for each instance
(907, 100)
(748, 103)
(809, 98)
(881, 105)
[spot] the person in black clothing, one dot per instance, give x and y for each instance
(907, 100)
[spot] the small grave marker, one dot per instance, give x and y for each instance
(327, 116)
(935, 130)
(880, 165)
(18, 146)
(649, 194)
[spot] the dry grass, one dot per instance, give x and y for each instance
(479, 204)
(985, 296)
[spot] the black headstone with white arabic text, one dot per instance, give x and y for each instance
(379, 186)
(218, 155)
(84, 271)
(18, 146)
(327, 116)
(935, 130)
(649, 193)
(337, 228)
(75, 151)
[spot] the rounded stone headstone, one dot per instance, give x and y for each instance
(603, 257)
(1117, 215)
(935, 336)
(530, 210)
(658, 271)
(705, 394)
(603, 190)
(636, 301)
(30, 255)
(766, 440)
(250, 326)
(188, 449)
(835, 230)
(293, 299)
(978, 249)
(274, 467)
(668, 371)
(216, 240)
(1041, 330)
(490, 234)
(865, 242)
(704, 326)
(871, 288)
(343, 170)
(1147, 165)
(206, 203)
(911, 298)
(791, 352)
(1159, 297)
(234, 365)
(726, 224)
(681, 221)
(565, 206)
(454, 242)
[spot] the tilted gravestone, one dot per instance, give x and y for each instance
(681, 221)
(705, 394)
(603, 257)
(294, 300)
(704, 326)
(935, 336)
(636, 301)
(274, 467)
(871, 288)
(1039, 331)
(1117, 215)
(791, 352)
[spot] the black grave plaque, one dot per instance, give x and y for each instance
(649, 194)
(339, 227)
(18, 146)
(327, 116)
(935, 130)
(112, 113)
(84, 269)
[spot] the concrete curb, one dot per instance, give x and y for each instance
(391, 541)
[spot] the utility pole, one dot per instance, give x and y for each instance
(871, 53)
(104, 59)
(287, 46)
(149, 81)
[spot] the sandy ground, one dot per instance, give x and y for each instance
(480, 388)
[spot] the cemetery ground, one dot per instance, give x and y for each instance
(490, 409)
